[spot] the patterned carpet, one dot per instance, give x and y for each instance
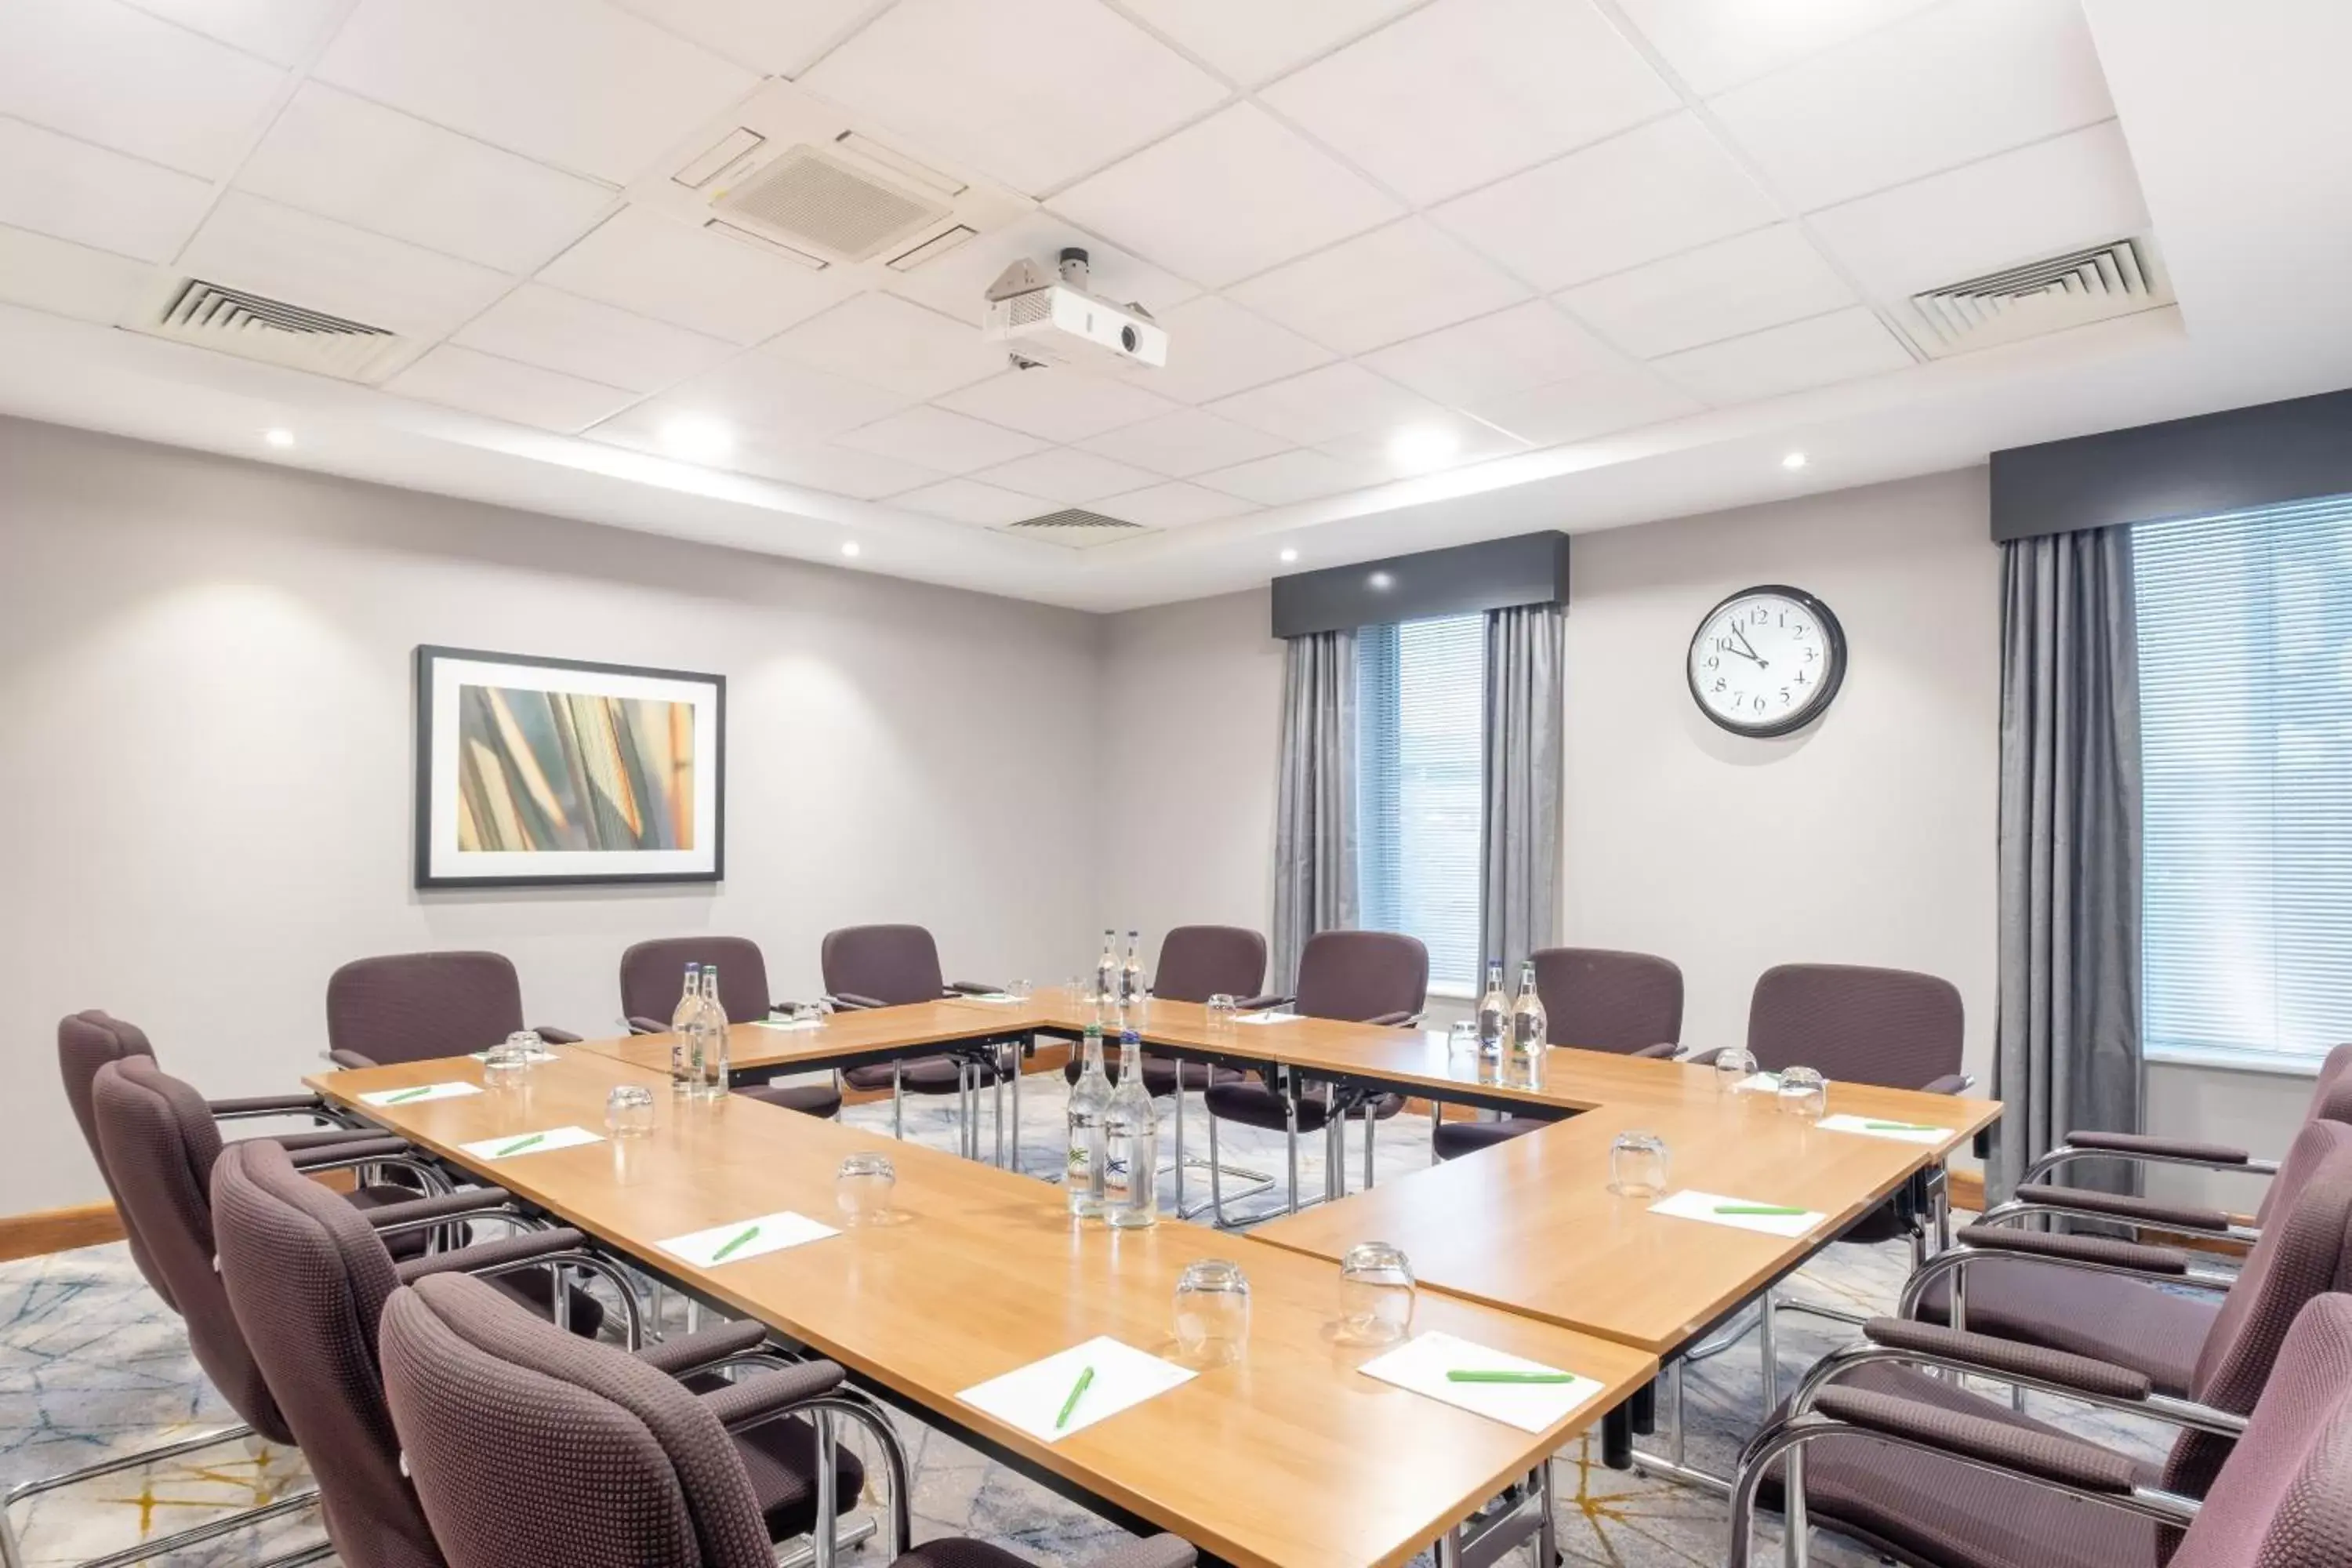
(92, 1365)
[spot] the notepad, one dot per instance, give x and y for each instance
(417, 1094)
(987, 996)
(788, 1023)
(1032, 1397)
(1272, 1015)
(515, 1144)
(1692, 1204)
(538, 1054)
(745, 1238)
(1885, 1126)
(1422, 1363)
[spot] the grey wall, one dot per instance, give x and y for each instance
(204, 757)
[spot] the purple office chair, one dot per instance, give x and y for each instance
(1594, 999)
(652, 980)
(1956, 1482)
(1359, 976)
(413, 1006)
(891, 966)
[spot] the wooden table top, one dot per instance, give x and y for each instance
(1288, 1458)
(1530, 1225)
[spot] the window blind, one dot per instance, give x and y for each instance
(1421, 715)
(2245, 676)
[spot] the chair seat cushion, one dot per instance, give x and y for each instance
(959, 1551)
(781, 1456)
(1884, 1223)
(1255, 1105)
(1161, 1075)
(918, 1075)
(2107, 1316)
(406, 1243)
(531, 1288)
(808, 1099)
(1930, 1512)
(1454, 1139)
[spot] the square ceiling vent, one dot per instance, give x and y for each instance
(1074, 528)
(276, 331)
(2046, 295)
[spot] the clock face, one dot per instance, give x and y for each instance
(1767, 661)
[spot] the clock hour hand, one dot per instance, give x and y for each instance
(1750, 648)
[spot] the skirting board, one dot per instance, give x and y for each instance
(57, 1230)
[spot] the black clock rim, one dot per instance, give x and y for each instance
(1821, 700)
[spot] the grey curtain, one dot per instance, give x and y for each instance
(2068, 1045)
(1518, 891)
(1314, 802)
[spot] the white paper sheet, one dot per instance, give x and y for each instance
(1761, 1083)
(997, 997)
(1692, 1204)
(1272, 1015)
(539, 1054)
(1901, 1134)
(548, 1138)
(419, 1093)
(788, 1023)
(774, 1232)
(1032, 1397)
(1422, 1363)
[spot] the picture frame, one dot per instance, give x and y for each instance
(534, 771)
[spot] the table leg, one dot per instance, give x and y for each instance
(1617, 1438)
(827, 1505)
(1769, 1351)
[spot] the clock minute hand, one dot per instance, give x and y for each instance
(1761, 662)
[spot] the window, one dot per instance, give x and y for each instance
(2245, 670)
(1421, 715)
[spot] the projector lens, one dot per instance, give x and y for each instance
(1128, 338)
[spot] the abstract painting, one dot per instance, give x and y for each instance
(538, 771)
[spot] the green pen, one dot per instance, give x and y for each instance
(1077, 1392)
(748, 1232)
(407, 1094)
(1901, 1127)
(1757, 1209)
(1459, 1375)
(520, 1145)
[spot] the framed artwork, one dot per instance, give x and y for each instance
(549, 772)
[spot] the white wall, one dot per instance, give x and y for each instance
(205, 758)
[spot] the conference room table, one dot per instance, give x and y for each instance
(1290, 1455)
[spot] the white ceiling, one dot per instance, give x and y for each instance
(1431, 269)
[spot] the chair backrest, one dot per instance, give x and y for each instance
(1602, 1000)
(891, 963)
(2331, 1100)
(1197, 963)
(653, 976)
(531, 1444)
(160, 1144)
(2283, 1497)
(2301, 1254)
(308, 1278)
(1357, 974)
(1895, 1027)
(411, 1007)
(87, 1042)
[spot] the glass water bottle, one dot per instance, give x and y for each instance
(714, 1028)
(1090, 1100)
(1493, 1012)
(1531, 1029)
(685, 1071)
(1131, 1144)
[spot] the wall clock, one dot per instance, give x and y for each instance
(1767, 661)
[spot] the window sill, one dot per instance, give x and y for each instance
(1453, 991)
(2275, 1064)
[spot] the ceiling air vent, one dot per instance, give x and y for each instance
(2045, 296)
(1076, 527)
(808, 196)
(255, 326)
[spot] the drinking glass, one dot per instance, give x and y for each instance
(1018, 991)
(1637, 1165)
(807, 1012)
(1734, 1065)
(1212, 1312)
(505, 1065)
(862, 1190)
(629, 1111)
(1803, 1093)
(1462, 1039)
(1376, 1294)
(1220, 1012)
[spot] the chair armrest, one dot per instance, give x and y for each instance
(850, 1001)
(1263, 1000)
(554, 1036)
(753, 1400)
(689, 1352)
(465, 1201)
(1663, 1050)
(505, 1250)
(348, 1152)
(2010, 1356)
(1152, 1551)
(1393, 1020)
(2058, 1246)
(256, 1106)
(343, 1059)
(1703, 1058)
(2044, 1456)
(2140, 1211)
(972, 988)
(320, 1138)
(2142, 1143)
(646, 1026)
(1951, 1083)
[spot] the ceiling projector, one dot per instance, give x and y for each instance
(1044, 319)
